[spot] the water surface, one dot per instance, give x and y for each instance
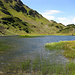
(29, 48)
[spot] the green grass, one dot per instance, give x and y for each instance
(44, 67)
(36, 64)
(54, 45)
(70, 67)
(41, 67)
(68, 46)
(30, 35)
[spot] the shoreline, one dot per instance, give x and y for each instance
(67, 46)
(56, 34)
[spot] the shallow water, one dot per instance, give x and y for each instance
(29, 48)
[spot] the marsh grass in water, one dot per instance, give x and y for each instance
(40, 67)
(26, 66)
(36, 64)
(67, 46)
(3, 46)
(44, 67)
(11, 68)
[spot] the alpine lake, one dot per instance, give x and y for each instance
(34, 54)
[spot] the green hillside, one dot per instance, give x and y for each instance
(69, 29)
(17, 19)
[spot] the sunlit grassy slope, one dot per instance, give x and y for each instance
(18, 19)
(69, 29)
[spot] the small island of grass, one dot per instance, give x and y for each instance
(31, 35)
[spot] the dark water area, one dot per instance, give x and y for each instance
(29, 48)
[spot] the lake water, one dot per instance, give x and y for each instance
(29, 48)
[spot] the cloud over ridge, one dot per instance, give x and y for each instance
(52, 15)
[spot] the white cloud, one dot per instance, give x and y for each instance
(61, 19)
(49, 14)
(66, 21)
(73, 20)
(49, 17)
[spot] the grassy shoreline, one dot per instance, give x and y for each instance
(40, 67)
(40, 35)
(37, 35)
(67, 46)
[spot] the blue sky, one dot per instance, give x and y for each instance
(62, 11)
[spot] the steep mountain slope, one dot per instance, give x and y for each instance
(17, 18)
